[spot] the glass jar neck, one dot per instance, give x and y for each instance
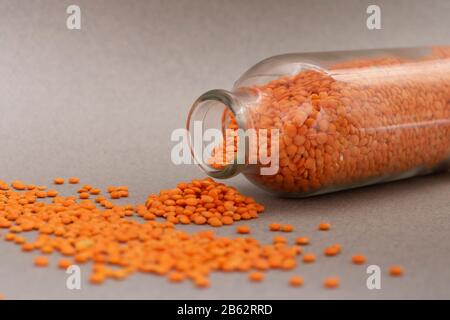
(210, 116)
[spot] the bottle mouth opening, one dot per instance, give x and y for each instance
(209, 118)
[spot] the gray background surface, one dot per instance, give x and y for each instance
(101, 103)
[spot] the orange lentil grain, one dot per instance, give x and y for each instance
(256, 276)
(296, 281)
(228, 221)
(97, 278)
(58, 181)
(287, 228)
(47, 249)
(324, 226)
(214, 222)
(279, 239)
(111, 189)
(358, 259)
(274, 227)
(18, 185)
(9, 236)
(84, 195)
(19, 240)
(200, 220)
(115, 195)
(396, 270)
(64, 263)
(123, 193)
(331, 282)
(41, 194)
(27, 247)
(74, 180)
(302, 241)
(243, 229)
(201, 282)
(331, 251)
(309, 258)
(41, 261)
(52, 193)
(176, 277)
(95, 191)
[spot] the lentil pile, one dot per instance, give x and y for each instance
(359, 122)
(200, 202)
(118, 243)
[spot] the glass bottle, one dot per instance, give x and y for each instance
(329, 121)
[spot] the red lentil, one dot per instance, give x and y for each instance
(74, 180)
(85, 233)
(95, 191)
(309, 257)
(206, 198)
(64, 263)
(97, 278)
(52, 193)
(331, 283)
(324, 226)
(302, 241)
(41, 261)
(177, 276)
(296, 281)
(84, 195)
(287, 228)
(26, 247)
(243, 229)
(396, 271)
(274, 227)
(358, 259)
(58, 181)
(256, 276)
(279, 239)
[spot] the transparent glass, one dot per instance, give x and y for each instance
(345, 119)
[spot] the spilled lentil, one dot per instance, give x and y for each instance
(119, 247)
(99, 232)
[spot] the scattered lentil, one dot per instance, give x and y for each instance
(41, 261)
(358, 259)
(64, 263)
(80, 230)
(331, 283)
(396, 271)
(302, 241)
(287, 228)
(296, 281)
(58, 181)
(309, 257)
(256, 276)
(324, 226)
(243, 230)
(274, 227)
(74, 180)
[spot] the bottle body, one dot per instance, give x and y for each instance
(343, 119)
